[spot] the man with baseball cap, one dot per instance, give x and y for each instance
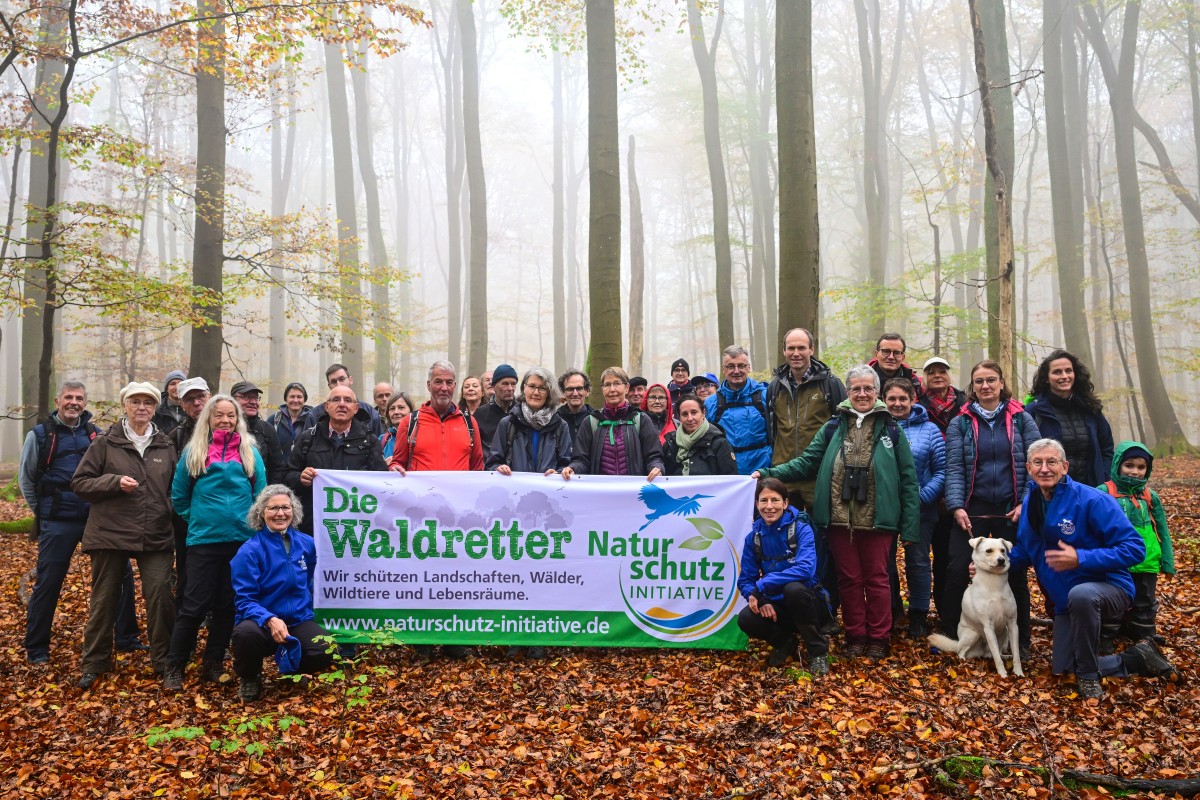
(488, 415)
(266, 441)
(681, 383)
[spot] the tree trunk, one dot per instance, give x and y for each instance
(208, 244)
(763, 302)
(604, 171)
(1194, 83)
(282, 158)
(799, 229)
(381, 312)
(1066, 170)
(637, 269)
(705, 55)
(558, 269)
(347, 213)
(455, 166)
(1169, 436)
(401, 157)
(477, 358)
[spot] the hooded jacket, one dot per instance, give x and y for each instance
(523, 449)
(668, 420)
(778, 567)
(929, 453)
(894, 476)
(359, 450)
(269, 581)
(214, 503)
(1100, 436)
(642, 451)
(962, 465)
(1089, 521)
(285, 430)
(1148, 519)
(738, 414)
(137, 521)
(710, 456)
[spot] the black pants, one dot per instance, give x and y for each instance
(986, 520)
(802, 613)
(940, 542)
(208, 588)
(1141, 621)
(252, 643)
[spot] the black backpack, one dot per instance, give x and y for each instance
(414, 422)
(793, 541)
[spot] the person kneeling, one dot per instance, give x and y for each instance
(273, 583)
(779, 581)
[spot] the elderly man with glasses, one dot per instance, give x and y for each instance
(739, 407)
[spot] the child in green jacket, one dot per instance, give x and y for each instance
(1129, 476)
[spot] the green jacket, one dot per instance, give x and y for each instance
(1148, 518)
(897, 490)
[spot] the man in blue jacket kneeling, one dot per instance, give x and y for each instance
(1082, 546)
(273, 584)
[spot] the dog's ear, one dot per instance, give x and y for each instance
(1008, 546)
(975, 542)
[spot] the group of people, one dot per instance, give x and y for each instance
(215, 502)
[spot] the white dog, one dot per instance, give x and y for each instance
(989, 611)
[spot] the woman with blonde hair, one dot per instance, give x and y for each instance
(218, 476)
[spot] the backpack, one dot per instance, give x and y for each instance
(1143, 495)
(756, 401)
(414, 423)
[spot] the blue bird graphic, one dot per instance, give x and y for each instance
(660, 503)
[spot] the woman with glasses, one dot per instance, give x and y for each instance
(657, 406)
(532, 437)
(866, 493)
(985, 486)
(617, 439)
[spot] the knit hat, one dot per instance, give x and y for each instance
(501, 372)
(191, 385)
(174, 375)
(1136, 452)
(679, 362)
(295, 385)
(287, 656)
(141, 387)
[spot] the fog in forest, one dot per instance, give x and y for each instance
(389, 140)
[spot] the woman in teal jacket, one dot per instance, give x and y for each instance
(866, 493)
(217, 478)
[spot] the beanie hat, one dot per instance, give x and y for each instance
(501, 372)
(295, 385)
(1137, 452)
(174, 375)
(287, 656)
(144, 388)
(679, 362)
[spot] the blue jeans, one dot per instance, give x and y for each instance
(57, 540)
(918, 568)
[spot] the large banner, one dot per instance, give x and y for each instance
(481, 558)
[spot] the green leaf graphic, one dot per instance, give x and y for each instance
(709, 528)
(696, 543)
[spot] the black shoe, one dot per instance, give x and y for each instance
(250, 689)
(38, 658)
(136, 647)
(454, 652)
(423, 651)
(211, 672)
(514, 652)
(917, 627)
(1144, 658)
(173, 679)
(537, 653)
(780, 654)
(877, 651)
(348, 652)
(854, 650)
(818, 666)
(1089, 689)
(87, 679)
(831, 628)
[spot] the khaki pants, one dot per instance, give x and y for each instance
(108, 567)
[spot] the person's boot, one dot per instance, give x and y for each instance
(918, 628)
(780, 653)
(250, 688)
(1146, 659)
(1089, 689)
(211, 672)
(173, 678)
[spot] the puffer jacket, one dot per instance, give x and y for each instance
(961, 460)
(738, 414)
(643, 453)
(710, 456)
(514, 439)
(1099, 435)
(214, 503)
(929, 453)
(778, 567)
(138, 521)
(893, 474)
(1092, 523)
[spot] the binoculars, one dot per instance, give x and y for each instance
(854, 484)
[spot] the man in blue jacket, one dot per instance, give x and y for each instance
(740, 409)
(1082, 546)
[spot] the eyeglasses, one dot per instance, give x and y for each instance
(737, 367)
(612, 385)
(141, 402)
(575, 390)
(1049, 462)
(984, 381)
(890, 353)
(862, 390)
(538, 389)
(278, 509)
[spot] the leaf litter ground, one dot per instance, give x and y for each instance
(597, 723)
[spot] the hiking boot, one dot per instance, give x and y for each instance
(38, 658)
(780, 654)
(831, 627)
(1145, 658)
(1089, 689)
(536, 653)
(87, 679)
(454, 652)
(514, 652)
(877, 651)
(818, 666)
(250, 688)
(854, 650)
(211, 672)
(917, 626)
(173, 678)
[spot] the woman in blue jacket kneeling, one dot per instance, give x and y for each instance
(779, 581)
(273, 582)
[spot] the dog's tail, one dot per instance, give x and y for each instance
(943, 643)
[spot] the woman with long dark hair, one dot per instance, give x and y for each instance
(1065, 407)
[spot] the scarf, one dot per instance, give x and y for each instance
(140, 443)
(685, 441)
(988, 416)
(536, 419)
(937, 407)
(610, 420)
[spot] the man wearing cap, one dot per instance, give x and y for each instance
(705, 385)
(338, 375)
(802, 396)
(193, 394)
(248, 396)
(170, 414)
(575, 387)
(637, 391)
(940, 399)
(681, 383)
(488, 415)
(52, 452)
(889, 360)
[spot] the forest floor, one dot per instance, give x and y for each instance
(593, 723)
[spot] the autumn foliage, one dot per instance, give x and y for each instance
(594, 723)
